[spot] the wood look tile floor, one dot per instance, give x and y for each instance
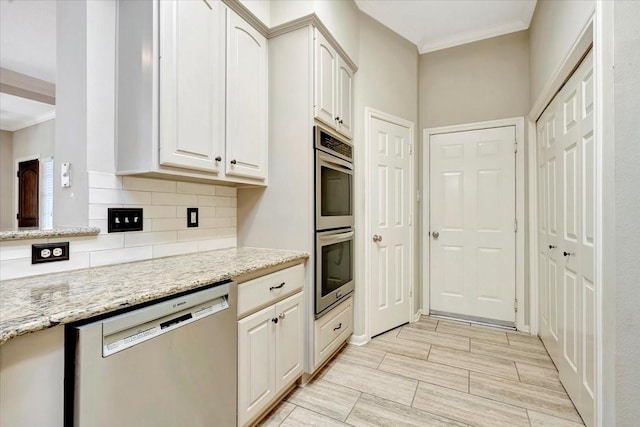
(434, 373)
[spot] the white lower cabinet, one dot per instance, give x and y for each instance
(331, 331)
(270, 351)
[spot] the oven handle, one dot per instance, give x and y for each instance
(336, 163)
(337, 237)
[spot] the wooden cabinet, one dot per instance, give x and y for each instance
(246, 143)
(191, 92)
(333, 91)
(270, 341)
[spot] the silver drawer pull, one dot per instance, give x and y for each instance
(277, 287)
(338, 327)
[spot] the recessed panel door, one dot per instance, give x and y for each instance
(472, 178)
(566, 232)
(391, 225)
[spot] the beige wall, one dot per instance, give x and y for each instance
(555, 27)
(386, 81)
(627, 206)
(340, 17)
(35, 140)
(7, 214)
(480, 81)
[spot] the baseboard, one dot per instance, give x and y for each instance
(358, 340)
(416, 316)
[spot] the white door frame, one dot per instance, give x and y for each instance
(597, 31)
(370, 114)
(518, 122)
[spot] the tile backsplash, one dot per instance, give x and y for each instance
(164, 233)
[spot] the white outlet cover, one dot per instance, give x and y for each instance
(45, 253)
(57, 251)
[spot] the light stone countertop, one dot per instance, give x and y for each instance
(37, 233)
(34, 303)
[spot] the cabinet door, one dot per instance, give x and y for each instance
(325, 80)
(256, 358)
(246, 100)
(190, 84)
(345, 98)
(289, 340)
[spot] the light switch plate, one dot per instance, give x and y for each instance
(124, 219)
(192, 217)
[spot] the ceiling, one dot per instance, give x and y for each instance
(17, 113)
(27, 46)
(28, 37)
(438, 24)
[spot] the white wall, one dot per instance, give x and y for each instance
(387, 80)
(627, 206)
(555, 27)
(7, 179)
(164, 233)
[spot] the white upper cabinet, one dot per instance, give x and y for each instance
(246, 148)
(191, 92)
(325, 80)
(191, 72)
(345, 98)
(333, 92)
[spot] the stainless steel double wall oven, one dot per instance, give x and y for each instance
(334, 219)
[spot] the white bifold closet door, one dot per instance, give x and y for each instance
(566, 236)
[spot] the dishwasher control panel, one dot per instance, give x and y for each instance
(116, 341)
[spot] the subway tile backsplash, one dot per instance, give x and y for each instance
(165, 233)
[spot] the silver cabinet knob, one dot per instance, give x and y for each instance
(282, 315)
(435, 234)
(377, 238)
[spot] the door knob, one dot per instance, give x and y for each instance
(435, 235)
(218, 159)
(377, 238)
(552, 247)
(565, 253)
(233, 162)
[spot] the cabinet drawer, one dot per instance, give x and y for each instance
(332, 329)
(268, 289)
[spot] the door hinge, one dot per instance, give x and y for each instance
(515, 146)
(410, 149)
(17, 216)
(515, 305)
(409, 219)
(18, 174)
(418, 198)
(515, 225)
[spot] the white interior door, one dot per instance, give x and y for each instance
(390, 207)
(566, 165)
(472, 208)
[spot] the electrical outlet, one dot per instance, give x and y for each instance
(124, 219)
(192, 217)
(49, 252)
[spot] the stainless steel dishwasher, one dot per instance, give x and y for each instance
(172, 363)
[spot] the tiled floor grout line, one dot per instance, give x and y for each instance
(352, 408)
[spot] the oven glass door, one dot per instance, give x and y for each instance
(335, 267)
(334, 192)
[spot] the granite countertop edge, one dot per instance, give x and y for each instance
(12, 235)
(28, 316)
